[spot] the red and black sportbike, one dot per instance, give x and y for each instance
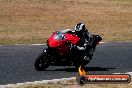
(61, 51)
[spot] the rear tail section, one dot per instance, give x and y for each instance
(96, 39)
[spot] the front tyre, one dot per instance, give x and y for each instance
(42, 61)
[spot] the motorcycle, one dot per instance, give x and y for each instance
(61, 51)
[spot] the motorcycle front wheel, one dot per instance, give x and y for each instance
(42, 62)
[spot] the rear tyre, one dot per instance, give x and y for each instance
(78, 65)
(82, 63)
(42, 61)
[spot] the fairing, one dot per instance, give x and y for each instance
(58, 41)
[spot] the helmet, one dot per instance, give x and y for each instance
(80, 28)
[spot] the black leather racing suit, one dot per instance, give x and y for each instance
(85, 43)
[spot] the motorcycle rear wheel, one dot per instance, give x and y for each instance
(42, 62)
(81, 63)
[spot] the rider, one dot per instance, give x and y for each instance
(86, 40)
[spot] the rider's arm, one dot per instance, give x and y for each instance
(80, 48)
(83, 46)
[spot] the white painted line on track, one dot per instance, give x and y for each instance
(53, 81)
(43, 44)
(32, 44)
(130, 73)
(102, 42)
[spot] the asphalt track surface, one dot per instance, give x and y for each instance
(17, 63)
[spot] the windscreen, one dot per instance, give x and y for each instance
(59, 36)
